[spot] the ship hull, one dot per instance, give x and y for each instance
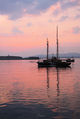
(48, 64)
(54, 64)
(62, 64)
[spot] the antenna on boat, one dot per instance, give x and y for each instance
(47, 48)
(57, 43)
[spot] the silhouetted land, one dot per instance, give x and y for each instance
(31, 58)
(67, 55)
(10, 58)
(17, 58)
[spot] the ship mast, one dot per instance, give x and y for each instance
(57, 43)
(47, 49)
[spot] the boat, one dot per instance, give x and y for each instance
(70, 60)
(54, 61)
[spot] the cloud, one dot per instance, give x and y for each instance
(63, 18)
(29, 24)
(65, 4)
(56, 12)
(50, 21)
(76, 30)
(14, 8)
(17, 8)
(16, 31)
(77, 16)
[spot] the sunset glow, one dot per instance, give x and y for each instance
(25, 25)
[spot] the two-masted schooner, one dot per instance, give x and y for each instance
(54, 61)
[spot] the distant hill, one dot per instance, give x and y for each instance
(70, 55)
(31, 58)
(65, 55)
(10, 58)
(18, 58)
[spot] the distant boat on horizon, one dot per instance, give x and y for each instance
(70, 60)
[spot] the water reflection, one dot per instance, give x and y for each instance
(58, 89)
(57, 80)
(47, 77)
(44, 93)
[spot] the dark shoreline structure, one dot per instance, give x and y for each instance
(17, 58)
(10, 58)
(31, 58)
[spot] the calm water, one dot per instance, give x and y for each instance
(29, 92)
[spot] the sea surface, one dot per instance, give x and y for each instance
(29, 92)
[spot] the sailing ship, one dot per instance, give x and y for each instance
(54, 61)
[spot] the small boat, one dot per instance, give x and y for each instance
(70, 60)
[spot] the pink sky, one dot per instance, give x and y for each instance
(26, 35)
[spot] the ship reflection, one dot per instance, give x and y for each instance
(57, 79)
(48, 82)
(58, 87)
(47, 77)
(53, 79)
